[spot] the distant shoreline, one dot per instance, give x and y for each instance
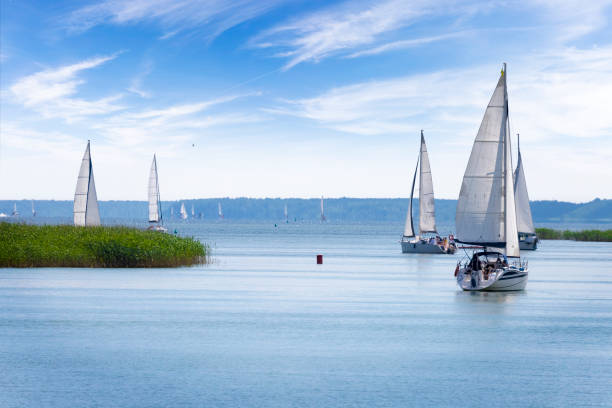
(27, 246)
(584, 235)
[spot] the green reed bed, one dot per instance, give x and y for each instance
(586, 235)
(23, 245)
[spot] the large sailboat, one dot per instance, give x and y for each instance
(528, 240)
(486, 214)
(85, 210)
(411, 242)
(155, 211)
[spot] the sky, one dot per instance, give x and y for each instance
(298, 98)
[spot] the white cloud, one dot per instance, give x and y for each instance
(209, 17)
(402, 44)
(51, 92)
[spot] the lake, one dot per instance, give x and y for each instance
(263, 325)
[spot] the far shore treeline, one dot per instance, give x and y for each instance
(336, 209)
(24, 245)
(585, 235)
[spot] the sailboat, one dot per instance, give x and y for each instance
(528, 240)
(155, 211)
(286, 215)
(15, 213)
(323, 219)
(486, 214)
(192, 211)
(412, 243)
(33, 210)
(86, 211)
(220, 210)
(183, 212)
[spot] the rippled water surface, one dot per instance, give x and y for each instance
(263, 325)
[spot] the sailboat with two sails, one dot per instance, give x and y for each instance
(411, 242)
(155, 210)
(486, 215)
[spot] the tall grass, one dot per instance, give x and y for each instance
(586, 235)
(23, 245)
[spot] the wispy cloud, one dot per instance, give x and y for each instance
(52, 92)
(338, 29)
(562, 93)
(575, 18)
(209, 18)
(402, 44)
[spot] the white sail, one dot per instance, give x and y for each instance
(481, 216)
(286, 213)
(85, 199)
(512, 240)
(427, 216)
(15, 213)
(33, 210)
(192, 211)
(409, 226)
(524, 220)
(154, 198)
(322, 212)
(220, 210)
(183, 211)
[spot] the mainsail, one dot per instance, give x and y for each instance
(521, 198)
(427, 216)
(155, 214)
(486, 213)
(85, 199)
(323, 219)
(409, 227)
(183, 211)
(220, 210)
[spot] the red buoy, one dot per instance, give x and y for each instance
(319, 259)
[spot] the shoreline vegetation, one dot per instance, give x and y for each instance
(26, 246)
(585, 235)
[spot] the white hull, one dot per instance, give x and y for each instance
(501, 280)
(420, 247)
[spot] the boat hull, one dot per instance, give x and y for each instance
(501, 280)
(528, 242)
(425, 248)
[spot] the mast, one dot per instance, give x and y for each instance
(427, 216)
(409, 226)
(85, 198)
(511, 231)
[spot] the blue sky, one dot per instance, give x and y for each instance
(298, 98)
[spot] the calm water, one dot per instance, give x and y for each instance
(265, 326)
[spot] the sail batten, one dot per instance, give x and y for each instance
(85, 209)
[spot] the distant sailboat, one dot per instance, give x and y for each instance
(86, 211)
(486, 214)
(33, 210)
(323, 219)
(183, 212)
(192, 211)
(286, 215)
(15, 213)
(155, 211)
(412, 243)
(527, 235)
(220, 210)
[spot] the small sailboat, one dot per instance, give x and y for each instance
(486, 214)
(33, 210)
(15, 213)
(323, 219)
(155, 211)
(411, 242)
(192, 211)
(286, 215)
(183, 212)
(86, 212)
(220, 210)
(528, 240)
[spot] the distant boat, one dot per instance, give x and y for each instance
(286, 215)
(220, 210)
(155, 211)
(3, 215)
(411, 242)
(486, 214)
(192, 211)
(323, 219)
(15, 213)
(183, 211)
(528, 240)
(33, 210)
(171, 212)
(86, 211)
